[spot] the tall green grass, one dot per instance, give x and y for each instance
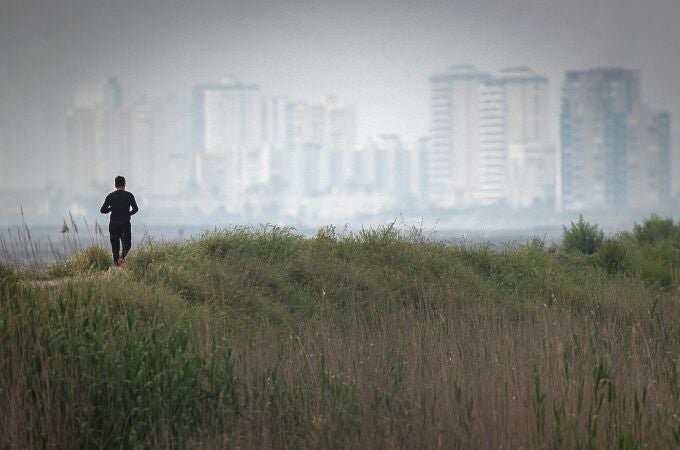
(101, 364)
(262, 338)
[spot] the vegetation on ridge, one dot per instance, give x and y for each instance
(262, 338)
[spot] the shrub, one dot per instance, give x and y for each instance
(382, 235)
(653, 269)
(91, 259)
(611, 256)
(326, 234)
(536, 242)
(654, 264)
(266, 240)
(655, 229)
(582, 237)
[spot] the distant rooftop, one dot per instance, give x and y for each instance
(509, 74)
(462, 68)
(458, 71)
(608, 72)
(521, 73)
(228, 82)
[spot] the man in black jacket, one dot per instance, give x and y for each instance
(119, 204)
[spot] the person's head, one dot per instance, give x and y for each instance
(120, 182)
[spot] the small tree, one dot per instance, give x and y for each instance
(581, 237)
(655, 229)
(611, 256)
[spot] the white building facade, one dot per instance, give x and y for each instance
(489, 139)
(226, 131)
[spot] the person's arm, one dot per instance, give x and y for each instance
(133, 203)
(106, 207)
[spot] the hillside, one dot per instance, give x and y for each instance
(262, 338)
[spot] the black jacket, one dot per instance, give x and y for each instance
(118, 203)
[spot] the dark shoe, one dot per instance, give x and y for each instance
(120, 262)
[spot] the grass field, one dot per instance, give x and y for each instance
(262, 338)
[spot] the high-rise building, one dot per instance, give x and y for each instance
(273, 120)
(531, 156)
(455, 102)
(614, 149)
(176, 175)
(339, 125)
(321, 136)
(147, 153)
(661, 136)
(146, 140)
(96, 149)
(395, 168)
(226, 116)
(326, 123)
(298, 125)
(489, 160)
(489, 139)
(647, 159)
(226, 129)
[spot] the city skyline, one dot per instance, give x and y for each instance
(363, 53)
(346, 87)
(241, 154)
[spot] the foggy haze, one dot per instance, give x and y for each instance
(375, 55)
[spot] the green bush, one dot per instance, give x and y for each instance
(655, 264)
(611, 256)
(89, 260)
(655, 229)
(582, 237)
(326, 234)
(652, 269)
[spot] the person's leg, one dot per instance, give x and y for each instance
(127, 239)
(114, 236)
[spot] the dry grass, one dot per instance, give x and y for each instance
(464, 378)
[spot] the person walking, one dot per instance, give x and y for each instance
(122, 205)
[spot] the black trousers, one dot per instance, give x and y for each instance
(120, 232)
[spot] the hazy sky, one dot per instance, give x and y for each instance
(375, 54)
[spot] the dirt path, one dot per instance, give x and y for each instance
(55, 282)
